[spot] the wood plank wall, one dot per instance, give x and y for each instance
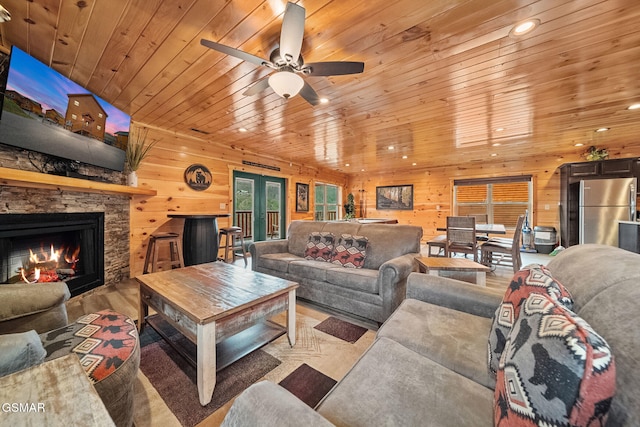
(433, 188)
(164, 170)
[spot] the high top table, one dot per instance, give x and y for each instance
(200, 237)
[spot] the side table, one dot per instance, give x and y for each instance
(54, 393)
(455, 268)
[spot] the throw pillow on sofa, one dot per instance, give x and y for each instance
(350, 251)
(534, 278)
(555, 369)
(320, 246)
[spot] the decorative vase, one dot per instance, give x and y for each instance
(132, 179)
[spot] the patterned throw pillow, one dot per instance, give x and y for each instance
(350, 251)
(319, 246)
(534, 278)
(554, 371)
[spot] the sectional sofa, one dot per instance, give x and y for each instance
(429, 364)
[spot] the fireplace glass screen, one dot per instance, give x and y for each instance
(37, 248)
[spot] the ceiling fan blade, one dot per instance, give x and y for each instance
(257, 87)
(333, 68)
(292, 32)
(234, 52)
(309, 94)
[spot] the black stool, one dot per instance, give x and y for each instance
(151, 262)
(232, 236)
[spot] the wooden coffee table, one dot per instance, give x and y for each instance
(457, 268)
(213, 302)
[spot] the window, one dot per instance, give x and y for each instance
(501, 199)
(326, 202)
(76, 103)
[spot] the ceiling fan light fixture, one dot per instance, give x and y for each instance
(286, 83)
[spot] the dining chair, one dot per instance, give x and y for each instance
(503, 251)
(439, 243)
(481, 219)
(461, 236)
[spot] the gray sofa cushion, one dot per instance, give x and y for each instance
(603, 281)
(384, 246)
(278, 262)
(360, 279)
(309, 269)
(394, 386)
(20, 351)
(454, 339)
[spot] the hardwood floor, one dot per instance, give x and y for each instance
(123, 297)
(333, 359)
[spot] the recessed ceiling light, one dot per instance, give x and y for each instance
(242, 129)
(391, 147)
(413, 164)
(361, 170)
(602, 129)
(634, 106)
(524, 27)
(404, 157)
(495, 144)
(347, 164)
(499, 129)
(324, 100)
(578, 144)
(494, 154)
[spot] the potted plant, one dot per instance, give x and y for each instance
(350, 207)
(137, 151)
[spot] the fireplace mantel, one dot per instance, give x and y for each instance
(20, 178)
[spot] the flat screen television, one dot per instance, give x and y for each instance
(46, 112)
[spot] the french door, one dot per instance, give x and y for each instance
(259, 205)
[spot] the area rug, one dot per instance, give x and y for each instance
(175, 379)
(341, 329)
(308, 384)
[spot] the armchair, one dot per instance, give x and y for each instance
(31, 309)
(39, 306)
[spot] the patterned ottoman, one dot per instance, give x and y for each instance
(108, 347)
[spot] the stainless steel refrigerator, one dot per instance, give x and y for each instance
(602, 203)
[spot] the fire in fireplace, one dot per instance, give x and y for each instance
(52, 265)
(53, 247)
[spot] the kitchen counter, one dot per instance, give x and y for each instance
(629, 235)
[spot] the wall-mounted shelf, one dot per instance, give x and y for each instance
(20, 178)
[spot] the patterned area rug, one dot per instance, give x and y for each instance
(308, 370)
(308, 384)
(341, 329)
(175, 379)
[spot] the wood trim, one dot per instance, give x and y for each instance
(20, 178)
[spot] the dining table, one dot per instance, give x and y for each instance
(485, 228)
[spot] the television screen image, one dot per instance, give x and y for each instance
(46, 112)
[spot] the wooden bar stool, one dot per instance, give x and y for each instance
(151, 262)
(233, 235)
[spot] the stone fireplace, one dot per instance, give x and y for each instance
(53, 247)
(112, 209)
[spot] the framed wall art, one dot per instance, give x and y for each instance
(302, 197)
(394, 197)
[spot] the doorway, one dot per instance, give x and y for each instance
(259, 205)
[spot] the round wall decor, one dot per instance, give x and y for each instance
(198, 177)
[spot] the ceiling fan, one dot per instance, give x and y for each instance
(288, 62)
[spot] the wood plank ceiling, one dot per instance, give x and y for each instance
(441, 76)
